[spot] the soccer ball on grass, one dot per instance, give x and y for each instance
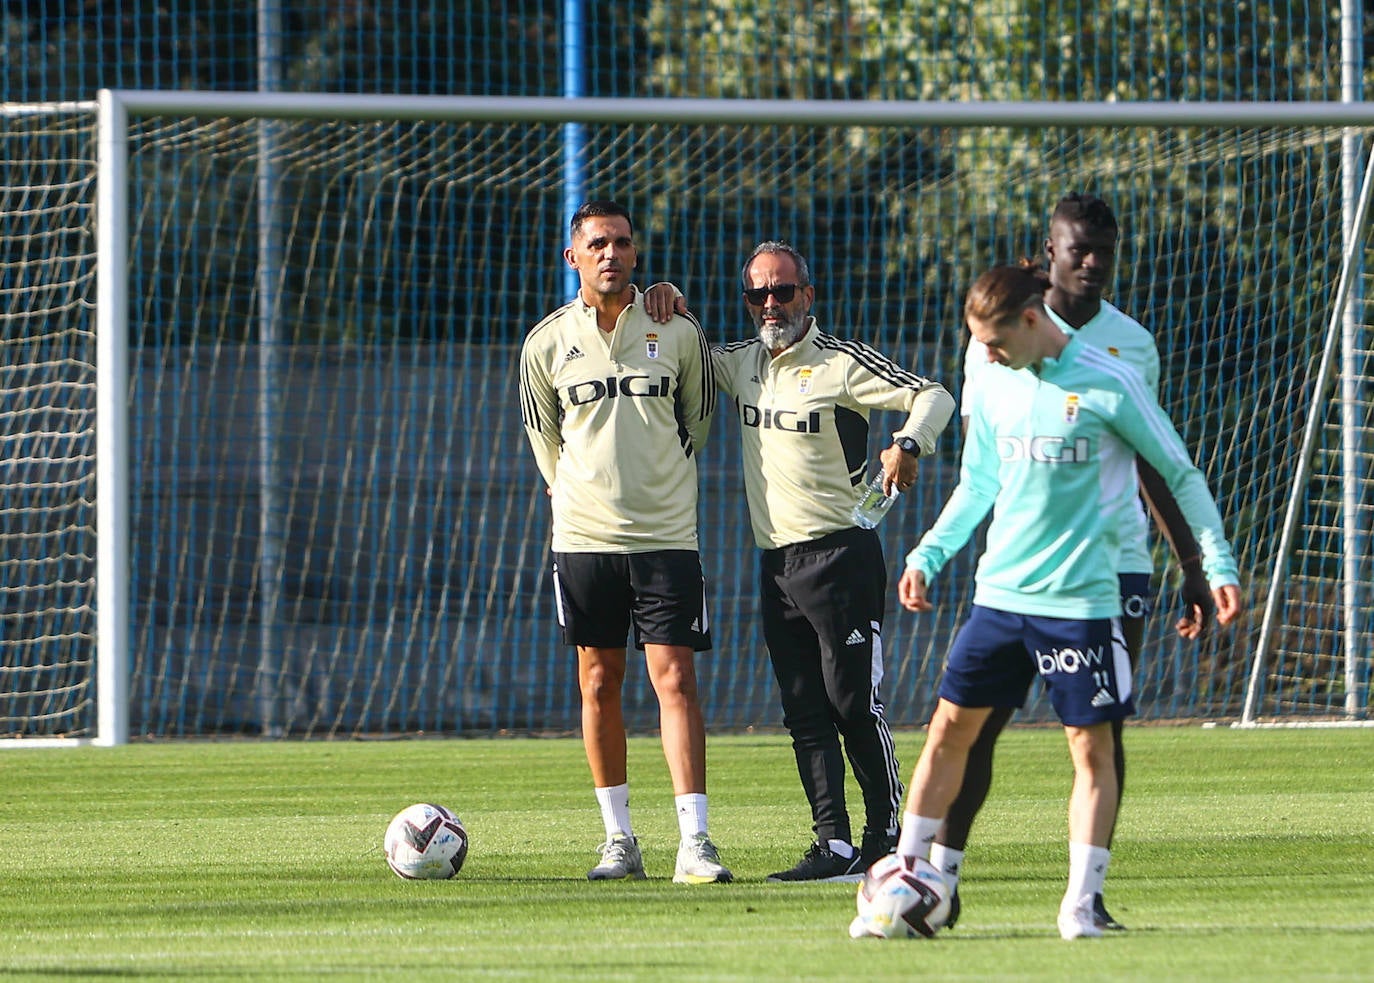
(900, 898)
(425, 842)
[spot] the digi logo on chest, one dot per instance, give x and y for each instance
(635, 386)
(768, 418)
(1045, 450)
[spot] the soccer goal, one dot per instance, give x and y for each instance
(264, 465)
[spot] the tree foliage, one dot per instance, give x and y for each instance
(873, 192)
(995, 49)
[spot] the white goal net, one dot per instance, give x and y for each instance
(47, 421)
(334, 524)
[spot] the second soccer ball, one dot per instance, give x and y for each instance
(900, 898)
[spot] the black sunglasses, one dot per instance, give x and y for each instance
(783, 291)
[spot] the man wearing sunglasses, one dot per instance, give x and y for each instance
(803, 399)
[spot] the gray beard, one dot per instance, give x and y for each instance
(784, 335)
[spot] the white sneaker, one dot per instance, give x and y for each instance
(620, 860)
(1076, 919)
(698, 862)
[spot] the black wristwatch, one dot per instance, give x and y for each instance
(909, 445)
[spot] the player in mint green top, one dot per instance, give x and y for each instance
(1054, 446)
(1047, 447)
(1121, 337)
(1081, 250)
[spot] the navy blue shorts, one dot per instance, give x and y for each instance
(1137, 599)
(997, 655)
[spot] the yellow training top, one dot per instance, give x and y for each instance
(615, 421)
(804, 427)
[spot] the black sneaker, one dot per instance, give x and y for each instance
(1102, 918)
(820, 864)
(955, 906)
(876, 844)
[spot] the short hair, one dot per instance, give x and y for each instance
(1086, 209)
(777, 246)
(598, 209)
(1004, 291)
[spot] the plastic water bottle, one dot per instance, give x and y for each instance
(874, 504)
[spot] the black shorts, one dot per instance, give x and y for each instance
(601, 595)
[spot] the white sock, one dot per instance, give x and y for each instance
(615, 809)
(918, 833)
(691, 814)
(1087, 871)
(841, 848)
(947, 861)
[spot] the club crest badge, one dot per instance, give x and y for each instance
(1071, 408)
(804, 383)
(651, 345)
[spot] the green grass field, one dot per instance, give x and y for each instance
(1241, 854)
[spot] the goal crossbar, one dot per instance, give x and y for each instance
(796, 112)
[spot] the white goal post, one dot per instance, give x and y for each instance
(270, 608)
(1343, 334)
